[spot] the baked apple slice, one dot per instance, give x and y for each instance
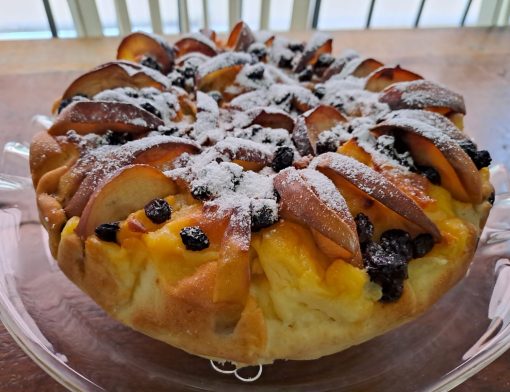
(310, 198)
(361, 67)
(422, 94)
(319, 44)
(246, 153)
(127, 190)
(311, 124)
(233, 273)
(342, 169)
(98, 117)
(240, 38)
(385, 76)
(147, 49)
(221, 71)
(113, 75)
(430, 146)
(269, 117)
(196, 42)
(158, 152)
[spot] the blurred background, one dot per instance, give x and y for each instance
(40, 19)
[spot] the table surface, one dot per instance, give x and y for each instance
(472, 61)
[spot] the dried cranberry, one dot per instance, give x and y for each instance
(150, 62)
(305, 75)
(151, 109)
(397, 241)
(364, 227)
(326, 145)
(262, 218)
(422, 245)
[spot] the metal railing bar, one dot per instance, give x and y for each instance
(123, 20)
(155, 14)
(315, 15)
(265, 6)
(205, 10)
(465, 13)
(370, 13)
(51, 20)
(418, 15)
(182, 6)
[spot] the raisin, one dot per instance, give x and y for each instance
(324, 60)
(397, 241)
(305, 75)
(256, 72)
(189, 71)
(432, 174)
(259, 51)
(286, 60)
(151, 109)
(422, 245)
(400, 146)
(201, 192)
(327, 145)
(63, 104)
(168, 131)
(491, 198)
(319, 90)
(296, 46)
(364, 227)
(263, 217)
(158, 211)
(283, 157)
(117, 138)
(389, 270)
(216, 95)
(150, 62)
(194, 238)
(482, 159)
(107, 231)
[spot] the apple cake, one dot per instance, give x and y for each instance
(257, 198)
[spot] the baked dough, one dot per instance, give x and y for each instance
(259, 199)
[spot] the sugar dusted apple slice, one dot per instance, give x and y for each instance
(246, 153)
(240, 38)
(126, 191)
(341, 168)
(209, 33)
(139, 47)
(385, 76)
(310, 198)
(361, 67)
(98, 117)
(233, 272)
(430, 146)
(319, 44)
(196, 42)
(311, 124)
(338, 65)
(422, 94)
(113, 75)
(221, 71)
(270, 117)
(156, 151)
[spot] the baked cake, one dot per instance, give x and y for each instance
(256, 198)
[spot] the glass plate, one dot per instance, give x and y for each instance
(73, 340)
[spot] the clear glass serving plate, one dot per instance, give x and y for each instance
(73, 340)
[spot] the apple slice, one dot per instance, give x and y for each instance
(221, 71)
(311, 199)
(269, 117)
(246, 153)
(196, 42)
(113, 75)
(100, 116)
(311, 124)
(341, 169)
(127, 190)
(240, 38)
(430, 146)
(338, 65)
(47, 154)
(156, 151)
(209, 33)
(422, 94)
(139, 45)
(232, 282)
(385, 76)
(361, 67)
(319, 44)
(52, 218)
